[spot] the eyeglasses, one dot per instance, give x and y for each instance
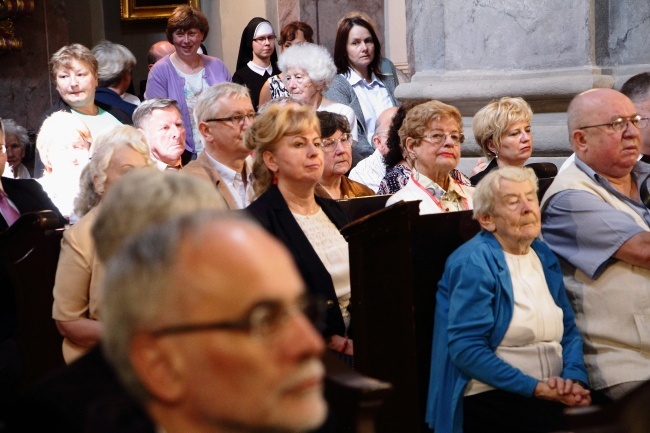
(263, 320)
(263, 39)
(236, 120)
(441, 138)
(619, 123)
(329, 144)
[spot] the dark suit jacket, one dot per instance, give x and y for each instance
(272, 212)
(27, 195)
(85, 397)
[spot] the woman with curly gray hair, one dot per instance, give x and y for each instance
(79, 272)
(308, 71)
(16, 141)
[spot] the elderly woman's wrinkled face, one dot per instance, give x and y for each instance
(15, 152)
(297, 158)
(124, 159)
(338, 154)
(300, 85)
(76, 84)
(516, 220)
(187, 42)
(516, 145)
(73, 153)
(438, 152)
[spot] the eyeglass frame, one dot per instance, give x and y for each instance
(263, 39)
(634, 119)
(336, 141)
(278, 314)
(430, 138)
(250, 116)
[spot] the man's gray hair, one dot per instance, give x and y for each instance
(144, 110)
(114, 61)
(486, 190)
(314, 59)
(145, 197)
(209, 102)
(12, 128)
(139, 288)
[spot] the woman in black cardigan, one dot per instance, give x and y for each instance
(288, 163)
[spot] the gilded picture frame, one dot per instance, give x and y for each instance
(151, 9)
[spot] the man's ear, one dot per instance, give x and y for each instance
(158, 366)
(579, 140)
(204, 129)
(487, 222)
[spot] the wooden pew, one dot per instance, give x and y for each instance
(396, 260)
(29, 254)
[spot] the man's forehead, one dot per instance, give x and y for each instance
(232, 103)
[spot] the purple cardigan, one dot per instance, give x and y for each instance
(164, 82)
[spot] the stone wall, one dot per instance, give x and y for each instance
(25, 89)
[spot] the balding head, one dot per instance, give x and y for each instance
(158, 51)
(609, 152)
(381, 129)
(637, 88)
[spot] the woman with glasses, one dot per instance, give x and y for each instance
(288, 164)
(502, 129)
(337, 146)
(431, 135)
(257, 60)
(185, 73)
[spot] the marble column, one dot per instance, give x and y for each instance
(546, 51)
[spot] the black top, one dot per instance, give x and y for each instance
(111, 98)
(254, 81)
(480, 175)
(272, 212)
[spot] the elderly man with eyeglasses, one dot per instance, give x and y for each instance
(595, 220)
(209, 341)
(222, 114)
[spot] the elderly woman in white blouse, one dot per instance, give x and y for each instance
(506, 351)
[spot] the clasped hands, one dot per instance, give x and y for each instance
(568, 392)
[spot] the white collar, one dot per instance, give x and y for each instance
(354, 79)
(260, 70)
(227, 173)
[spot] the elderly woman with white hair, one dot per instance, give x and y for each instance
(79, 272)
(308, 71)
(16, 141)
(63, 145)
(506, 350)
(115, 63)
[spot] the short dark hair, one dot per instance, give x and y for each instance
(332, 122)
(340, 46)
(394, 155)
(288, 32)
(637, 88)
(186, 17)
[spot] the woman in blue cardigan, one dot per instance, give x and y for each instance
(506, 352)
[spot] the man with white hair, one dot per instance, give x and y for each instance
(371, 170)
(203, 332)
(222, 114)
(114, 73)
(162, 124)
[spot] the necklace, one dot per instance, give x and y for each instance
(189, 67)
(302, 213)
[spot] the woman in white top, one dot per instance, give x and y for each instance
(431, 135)
(289, 162)
(365, 81)
(506, 351)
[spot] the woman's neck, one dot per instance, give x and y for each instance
(299, 197)
(332, 185)
(501, 163)
(365, 74)
(316, 100)
(190, 62)
(441, 178)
